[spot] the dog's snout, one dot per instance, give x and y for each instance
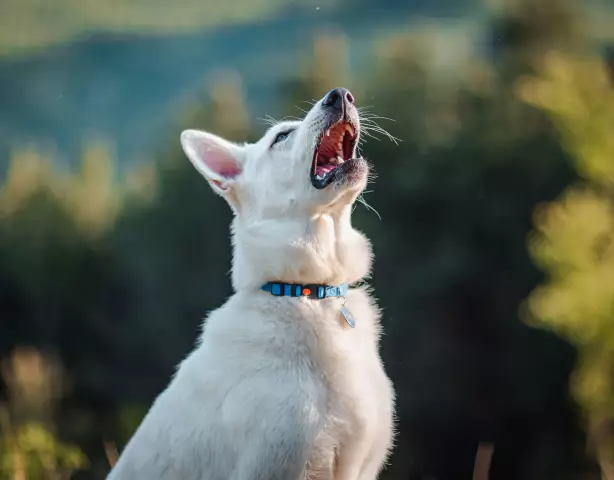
(338, 99)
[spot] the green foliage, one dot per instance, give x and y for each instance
(574, 235)
(129, 418)
(39, 453)
(91, 196)
(29, 447)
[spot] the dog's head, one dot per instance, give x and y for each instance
(305, 166)
(292, 193)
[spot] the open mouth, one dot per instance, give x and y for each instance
(336, 147)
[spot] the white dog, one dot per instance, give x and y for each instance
(286, 382)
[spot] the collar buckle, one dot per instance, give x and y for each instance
(314, 291)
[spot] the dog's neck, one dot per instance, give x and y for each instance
(321, 248)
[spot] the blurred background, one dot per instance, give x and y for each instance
(492, 215)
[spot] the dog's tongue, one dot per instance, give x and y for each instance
(322, 170)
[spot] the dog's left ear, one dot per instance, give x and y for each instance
(218, 160)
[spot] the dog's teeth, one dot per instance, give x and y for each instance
(328, 133)
(339, 160)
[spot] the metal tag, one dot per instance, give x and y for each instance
(349, 318)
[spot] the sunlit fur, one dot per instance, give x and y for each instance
(277, 387)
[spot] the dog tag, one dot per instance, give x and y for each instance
(349, 318)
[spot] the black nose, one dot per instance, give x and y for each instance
(337, 97)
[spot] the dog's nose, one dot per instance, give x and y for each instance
(336, 98)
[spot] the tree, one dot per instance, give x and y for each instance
(574, 237)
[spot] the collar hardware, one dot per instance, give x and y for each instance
(310, 290)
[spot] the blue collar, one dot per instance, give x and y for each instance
(315, 292)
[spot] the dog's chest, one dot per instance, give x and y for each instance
(353, 381)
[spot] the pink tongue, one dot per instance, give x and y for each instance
(324, 169)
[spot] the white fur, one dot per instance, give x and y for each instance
(278, 388)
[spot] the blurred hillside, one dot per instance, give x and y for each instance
(127, 83)
(125, 69)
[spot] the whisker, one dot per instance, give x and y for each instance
(368, 129)
(371, 116)
(310, 103)
(371, 126)
(291, 118)
(366, 133)
(362, 200)
(267, 120)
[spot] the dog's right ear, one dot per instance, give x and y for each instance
(218, 160)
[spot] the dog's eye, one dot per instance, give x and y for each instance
(281, 136)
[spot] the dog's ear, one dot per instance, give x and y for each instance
(218, 160)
